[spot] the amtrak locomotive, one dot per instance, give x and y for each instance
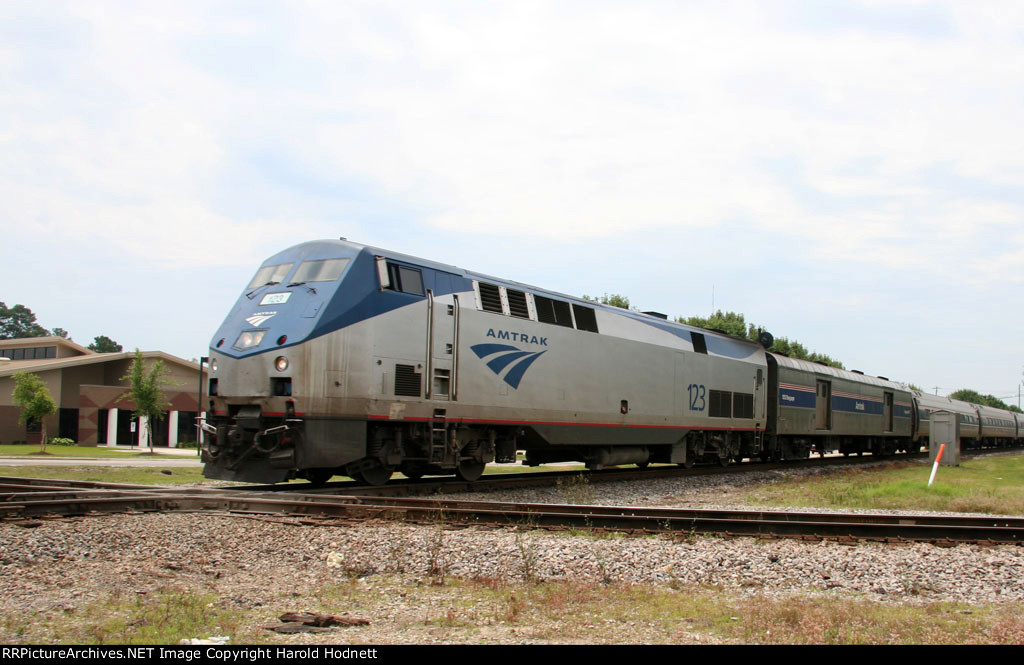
(344, 359)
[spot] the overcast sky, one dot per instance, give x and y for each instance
(847, 174)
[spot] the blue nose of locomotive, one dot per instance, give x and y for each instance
(300, 293)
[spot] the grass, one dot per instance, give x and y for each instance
(993, 484)
(576, 490)
(592, 613)
(491, 609)
(469, 610)
(165, 617)
(132, 475)
(820, 621)
(555, 612)
(84, 451)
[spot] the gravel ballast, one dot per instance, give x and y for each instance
(60, 566)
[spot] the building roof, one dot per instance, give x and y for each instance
(9, 367)
(52, 340)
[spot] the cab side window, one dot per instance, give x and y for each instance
(406, 280)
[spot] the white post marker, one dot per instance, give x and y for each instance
(935, 467)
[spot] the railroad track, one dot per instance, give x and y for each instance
(548, 478)
(503, 481)
(434, 486)
(26, 502)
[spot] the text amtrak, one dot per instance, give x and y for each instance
(523, 338)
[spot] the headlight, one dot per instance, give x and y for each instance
(249, 339)
(281, 363)
(213, 365)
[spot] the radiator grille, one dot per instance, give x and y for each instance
(742, 405)
(490, 297)
(719, 404)
(517, 304)
(553, 311)
(408, 381)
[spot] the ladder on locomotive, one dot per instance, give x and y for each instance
(438, 436)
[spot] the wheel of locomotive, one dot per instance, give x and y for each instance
(470, 467)
(470, 470)
(723, 460)
(690, 461)
(413, 471)
(319, 477)
(643, 465)
(377, 474)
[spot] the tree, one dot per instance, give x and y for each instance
(795, 349)
(33, 398)
(60, 332)
(735, 324)
(615, 300)
(146, 390)
(730, 323)
(19, 321)
(974, 397)
(104, 344)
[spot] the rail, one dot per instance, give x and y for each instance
(34, 499)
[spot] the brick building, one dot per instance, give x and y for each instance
(87, 387)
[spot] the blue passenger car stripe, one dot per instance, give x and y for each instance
(857, 404)
(801, 397)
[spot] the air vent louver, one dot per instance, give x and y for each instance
(408, 381)
(517, 304)
(490, 298)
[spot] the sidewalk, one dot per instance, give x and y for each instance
(159, 450)
(131, 458)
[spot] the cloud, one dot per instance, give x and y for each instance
(163, 128)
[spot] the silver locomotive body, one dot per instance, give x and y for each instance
(346, 359)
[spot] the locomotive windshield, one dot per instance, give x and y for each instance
(270, 275)
(326, 270)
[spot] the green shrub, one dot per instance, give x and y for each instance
(61, 441)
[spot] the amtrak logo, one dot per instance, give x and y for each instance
(259, 318)
(504, 356)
